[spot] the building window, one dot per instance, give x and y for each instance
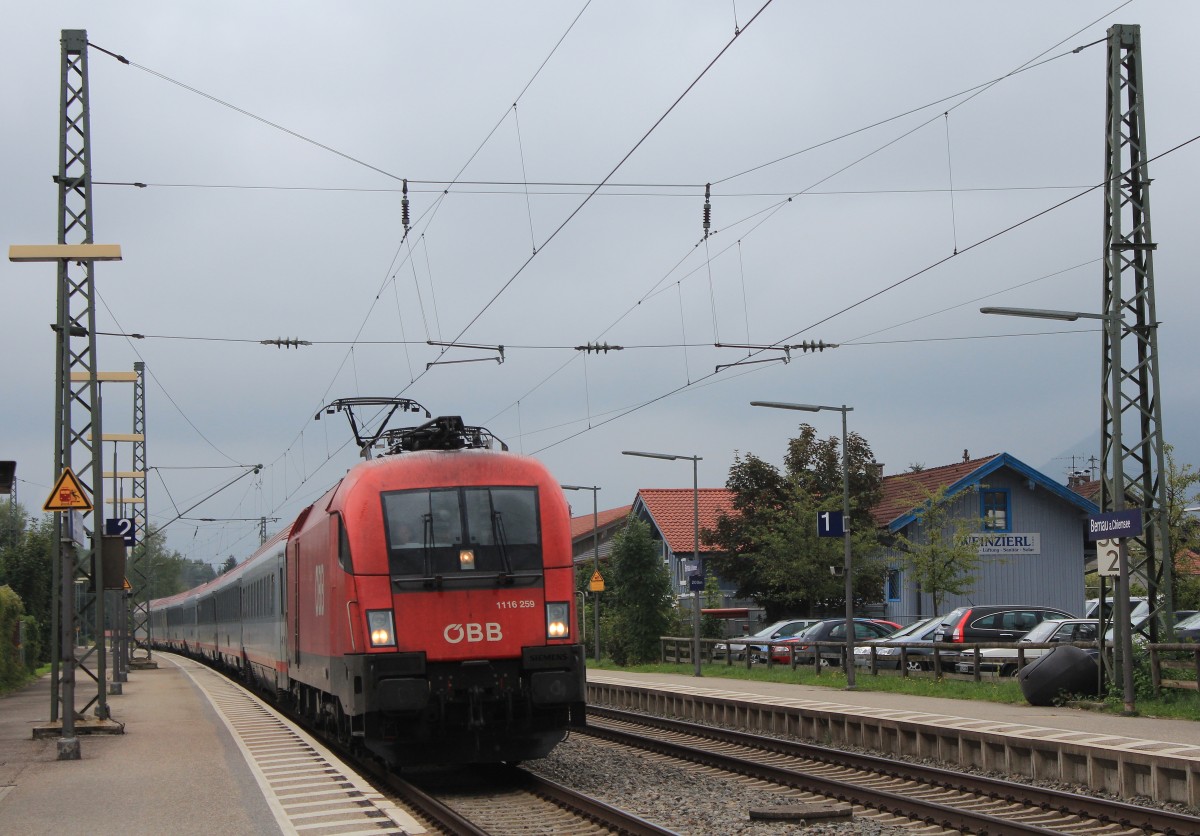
(995, 510)
(893, 585)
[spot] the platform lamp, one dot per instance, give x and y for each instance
(695, 460)
(1123, 627)
(595, 553)
(847, 564)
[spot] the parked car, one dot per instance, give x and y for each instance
(772, 632)
(831, 630)
(1141, 626)
(1005, 660)
(994, 622)
(918, 652)
(1139, 606)
(1188, 630)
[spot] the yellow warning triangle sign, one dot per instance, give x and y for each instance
(597, 583)
(68, 495)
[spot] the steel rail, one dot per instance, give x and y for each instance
(591, 808)
(1108, 811)
(1066, 804)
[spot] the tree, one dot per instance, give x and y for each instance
(640, 605)
(26, 566)
(942, 557)
(1183, 530)
(229, 563)
(771, 545)
(712, 627)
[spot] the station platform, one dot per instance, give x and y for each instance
(195, 757)
(1182, 734)
(1131, 757)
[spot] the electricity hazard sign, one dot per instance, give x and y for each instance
(597, 583)
(68, 495)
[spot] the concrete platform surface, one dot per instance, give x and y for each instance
(176, 769)
(1178, 733)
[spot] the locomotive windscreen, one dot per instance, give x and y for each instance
(452, 531)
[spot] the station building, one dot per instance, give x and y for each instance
(1032, 539)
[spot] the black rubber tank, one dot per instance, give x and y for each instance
(1064, 670)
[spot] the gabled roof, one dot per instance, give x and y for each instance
(673, 513)
(1089, 490)
(581, 526)
(904, 491)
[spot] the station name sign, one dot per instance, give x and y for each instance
(1115, 524)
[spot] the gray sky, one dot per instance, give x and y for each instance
(249, 232)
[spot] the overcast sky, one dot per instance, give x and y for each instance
(852, 149)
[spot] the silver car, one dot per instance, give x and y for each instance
(773, 632)
(1004, 660)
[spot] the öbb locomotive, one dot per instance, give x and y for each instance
(423, 607)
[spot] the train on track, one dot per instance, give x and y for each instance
(423, 608)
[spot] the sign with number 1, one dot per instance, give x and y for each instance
(830, 524)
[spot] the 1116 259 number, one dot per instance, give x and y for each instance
(521, 604)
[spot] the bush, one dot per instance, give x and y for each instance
(12, 616)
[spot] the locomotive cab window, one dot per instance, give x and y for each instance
(447, 532)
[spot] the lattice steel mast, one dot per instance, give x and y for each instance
(140, 569)
(1134, 474)
(77, 405)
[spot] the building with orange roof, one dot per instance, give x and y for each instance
(1033, 539)
(605, 524)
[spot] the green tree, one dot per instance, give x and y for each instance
(26, 566)
(167, 572)
(639, 608)
(941, 556)
(772, 551)
(1183, 530)
(712, 627)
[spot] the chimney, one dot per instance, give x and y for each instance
(878, 467)
(966, 456)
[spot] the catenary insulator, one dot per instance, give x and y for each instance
(404, 207)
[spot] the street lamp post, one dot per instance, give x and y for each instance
(847, 563)
(595, 554)
(1112, 323)
(695, 460)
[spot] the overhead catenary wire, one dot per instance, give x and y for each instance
(874, 295)
(365, 342)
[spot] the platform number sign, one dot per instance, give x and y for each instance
(830, 524)
(123, 528)
(1108, 558)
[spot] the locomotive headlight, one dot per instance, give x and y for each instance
(558, 620)
(381, 627)
(466, 559)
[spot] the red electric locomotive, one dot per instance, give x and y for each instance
(422, 607)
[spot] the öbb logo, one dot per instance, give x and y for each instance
(457, 633)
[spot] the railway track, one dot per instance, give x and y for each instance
(315, 788)
(509, 800)
(953, 801)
